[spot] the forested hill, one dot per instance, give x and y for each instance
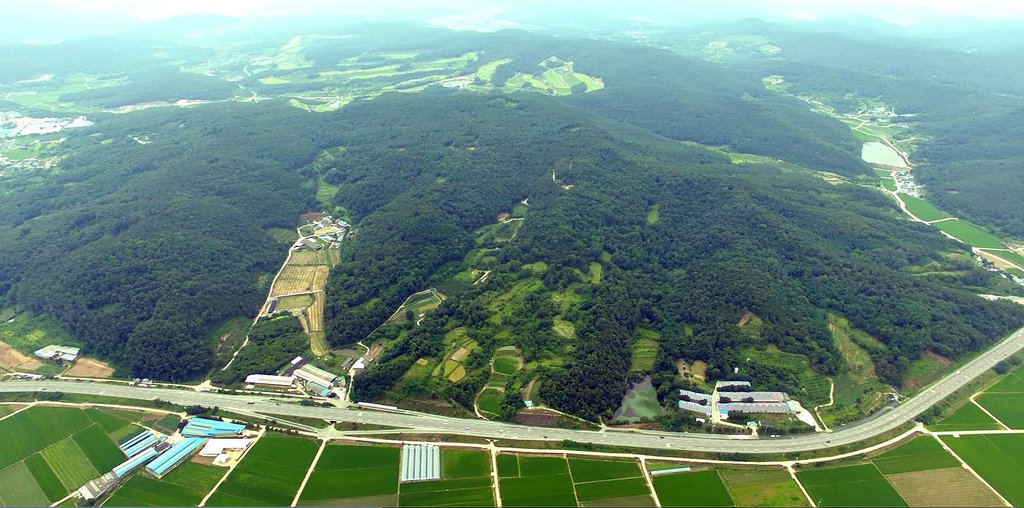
(789, 247)
(140, 248)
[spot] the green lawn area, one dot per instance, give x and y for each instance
(354, 471)
(700, 488)
(762, 487)
(186, 485)
(652, 214)
(921, 208)
(970, 234)
(919, 454)
(1007, 407)
(859, 485)
(999, 459)
(968, 417)
(456, 463)
(269, 475)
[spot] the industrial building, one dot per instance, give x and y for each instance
(316, 380)
(690, 396)
(695, 407)
(753, 407)
(215, 447)
(58, 353)
(134, 462)
(174, 455)
(268, 380)
(211, 428)
(421, 463)
(97, 488)
(138, 443)
(751, 397)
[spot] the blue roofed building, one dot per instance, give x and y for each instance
(174, 455)
(210, 428)
(134, 462)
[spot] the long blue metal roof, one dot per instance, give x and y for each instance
(141, 445)
(134, 440)
(174, 455)
(134, 462)
(207, 427)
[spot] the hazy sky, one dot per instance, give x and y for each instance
(904, 11)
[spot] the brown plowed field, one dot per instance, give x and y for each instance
(10, 357)
(958, 488)
(88, 367)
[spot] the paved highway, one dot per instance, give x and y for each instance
(880, 423)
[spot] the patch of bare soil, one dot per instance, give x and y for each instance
(89, 367)
(10, 357)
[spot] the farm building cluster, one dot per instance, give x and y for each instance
(59, 354)
(326, 231)
(735, 397)
(160, 453)
(298, 373)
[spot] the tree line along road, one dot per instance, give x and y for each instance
(878, 424)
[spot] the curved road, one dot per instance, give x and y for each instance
(880, 423)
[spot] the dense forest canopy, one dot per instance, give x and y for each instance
(631, 219)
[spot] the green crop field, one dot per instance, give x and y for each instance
(762, 487)
(859, 485)
(1012, 383)
(186, 485)
(591, 470)
(919, 454)
(490, 401)
(19, 488)
(353, 471)
(98, 448)
(701, 488)
(968, 417)
(922, 209)
(69, 463)
(269, 475)
(36, 428)
(611, 489)
(997, 458)
(456, 463)
(1012, 257)
(46, 478)
(535, 481)
(1007, 407)
(506, 365)
(970, 234)
(455, 492)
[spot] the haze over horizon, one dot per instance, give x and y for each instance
(52, 20)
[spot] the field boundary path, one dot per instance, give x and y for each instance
(792, 474)
(232, 468)
(309, 472)
(650, 483)
(492, 453)
(970, 469)
(986, 411)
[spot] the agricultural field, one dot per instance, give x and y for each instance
(419, 303)
(968, 417)
(299, 279)
(645, 350)
(1008, 407)
(997, 458)
(186, 485)
(762, 487)
(507, 361)
(815, 387)
(353, 476)
(970, 234)
(465, 481)
(527, 480)
(857, 388)
(1012, 257)
(699, 488)
(24, 332)
(922, 209)
(489, 401)
(857, 485)
(609, 482)
(47, 452)
(269, 475)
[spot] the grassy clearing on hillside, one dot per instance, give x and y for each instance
(970, 234)
(29, 332)
(701, 488)
(922, 209)
(996, 458)
(652, 215)
(859, 485)
(269, 475)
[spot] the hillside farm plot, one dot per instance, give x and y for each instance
(349, 475)
(507, 360)
(921, 208)
(186, 485)
(489, 401)
(90, 367)
(970, 234)
(299, 279)
(858, 485)
(540, 481)
(997, 458)
(419, 303)
(700, 488)
(762, 487)
(618, 481)
(645, 351)
(269, 475)
(919, 454)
